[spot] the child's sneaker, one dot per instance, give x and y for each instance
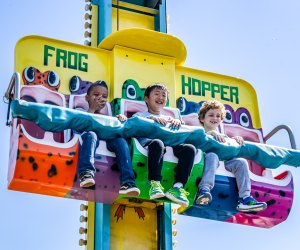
(129, 189)
(156, 190)
(178, 195)
(249, 204)
(204, 197)
(87, 180)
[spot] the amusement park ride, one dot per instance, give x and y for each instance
(128, 48)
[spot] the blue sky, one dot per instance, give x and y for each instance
(256, 40)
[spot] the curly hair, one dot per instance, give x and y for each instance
(211, 104)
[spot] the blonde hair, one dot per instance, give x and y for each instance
(211, 104)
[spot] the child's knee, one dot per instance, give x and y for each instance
(211, 156)
(243, 163)
(157, 143)
(239, 164)
(120, 141)
(190, 150)
(91, 135)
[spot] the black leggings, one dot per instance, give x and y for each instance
(184, 152)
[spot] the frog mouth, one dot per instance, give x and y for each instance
(40, 94)
(254, 135)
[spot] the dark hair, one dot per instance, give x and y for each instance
(99, 83)
(155, 86)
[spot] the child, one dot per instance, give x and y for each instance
(156, 98)
(211, 115)
(97, 97)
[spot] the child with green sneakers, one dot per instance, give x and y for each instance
(211, 115)
(156, 97)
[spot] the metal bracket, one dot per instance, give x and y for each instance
(287, 129)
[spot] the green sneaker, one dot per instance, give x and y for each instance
(249, 204)
(156, 190)
(178, 195)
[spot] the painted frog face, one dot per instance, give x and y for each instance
(239, 122)
(78, 86)
(49, 79)
(131, 90)
(41, 88)
(187, 107)
(189, 111)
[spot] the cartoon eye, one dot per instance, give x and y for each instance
(29, 74)
(244, 120)
(28, 98)
(51, 103)
(53, 79)
(74, 84)
(131, 92)
(228, 117)
(181, 104)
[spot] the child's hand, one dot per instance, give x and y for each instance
(122, 118)
(175, 124)
(219, 137)
(239, 139)
(159, 120)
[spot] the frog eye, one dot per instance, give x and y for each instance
(28, 98)
(181, 104)
(228, 116)
(29, 74)
(53, 79)
(130, 92)
(244, 120)
(74, 84)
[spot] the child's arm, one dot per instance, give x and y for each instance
(239, 140)
(122, 118)
(158, 119)
(219, 137)
(176, 123)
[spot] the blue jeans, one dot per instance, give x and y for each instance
(119, 146)
(237, 166)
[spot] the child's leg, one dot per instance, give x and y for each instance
(239, 167)
(156, 151)
(87, 153)
(186, 155)
(120, 147)
(211, 163)
(127, 179)
(86, 159)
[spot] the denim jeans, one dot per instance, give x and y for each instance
(237, 166)
(86, 158)
(119, 146)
